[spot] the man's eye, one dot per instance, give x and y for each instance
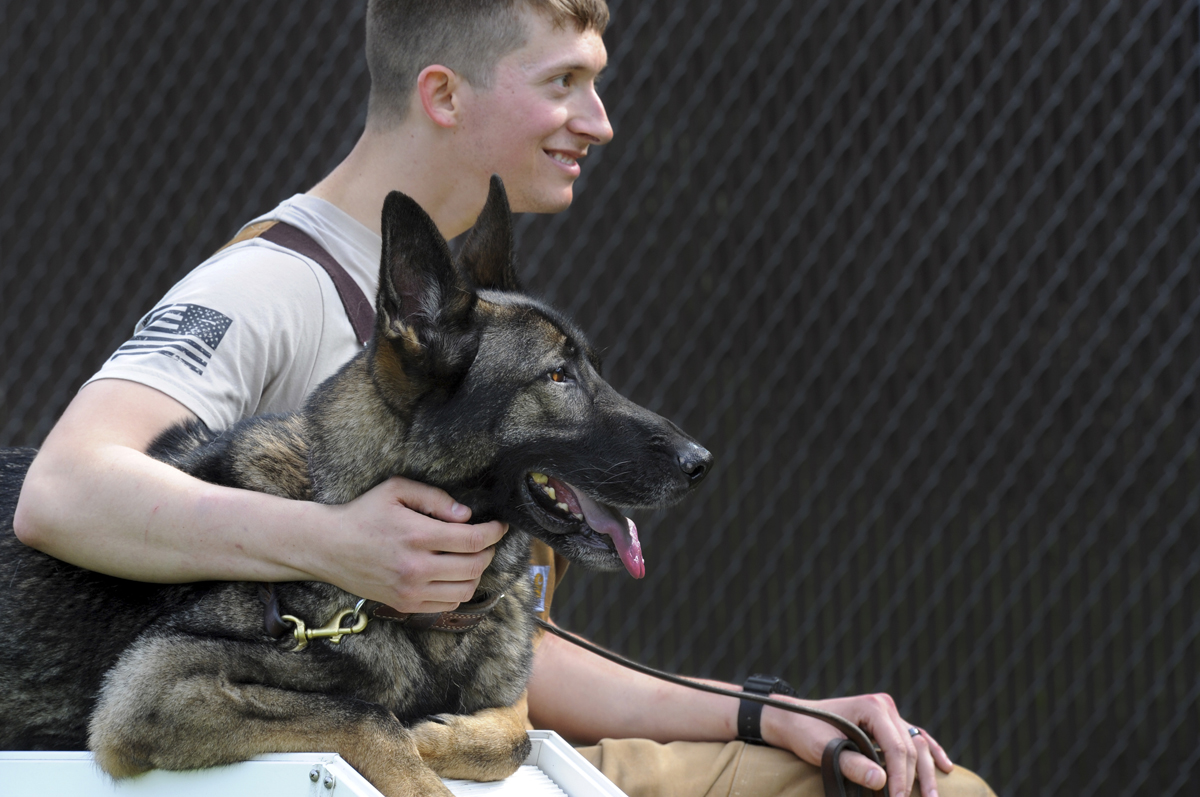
(562, 80)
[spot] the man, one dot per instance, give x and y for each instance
(460, 89)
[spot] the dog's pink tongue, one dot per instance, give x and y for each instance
(621, 529)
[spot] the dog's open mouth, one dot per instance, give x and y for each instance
(593, 521)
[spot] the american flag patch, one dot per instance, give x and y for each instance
(188, 333)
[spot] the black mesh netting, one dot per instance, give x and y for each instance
(921, 273)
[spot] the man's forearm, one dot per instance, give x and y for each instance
(119, 512)
(93, 498)
(587, 698)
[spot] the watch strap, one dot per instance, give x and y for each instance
(750, 712)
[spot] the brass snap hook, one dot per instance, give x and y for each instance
(333, 630)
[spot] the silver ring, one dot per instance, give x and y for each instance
(914, 731)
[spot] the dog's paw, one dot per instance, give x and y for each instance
(488, 745)
(119, 764)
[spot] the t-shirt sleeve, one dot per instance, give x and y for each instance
(245, 322)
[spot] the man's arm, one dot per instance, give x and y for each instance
(587, 698)
(93, 498)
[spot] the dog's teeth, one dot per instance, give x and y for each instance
(550, 492)
(563, 506)
(577, 516)
(540, 478)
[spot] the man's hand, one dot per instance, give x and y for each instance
(908, 757)
(620, 703)
(413, 551)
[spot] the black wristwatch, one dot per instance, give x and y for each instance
(750, 712)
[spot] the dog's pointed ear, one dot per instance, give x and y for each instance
(487, 255)
(424, 303)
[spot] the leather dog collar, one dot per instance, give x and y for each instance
(464, 618)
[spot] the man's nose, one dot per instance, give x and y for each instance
(591, 121)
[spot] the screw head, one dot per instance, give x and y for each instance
(328, 782)
(314, 774)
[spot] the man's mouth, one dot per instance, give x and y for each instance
(571, 505)
(566, 159)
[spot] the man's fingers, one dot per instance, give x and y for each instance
(424, 595)
(430, 607)
(939, 755)
(473, 539)
(436, 503)
(899, 750)
(462, 569)
(859, 769)
(926, 771)
(909, 754)
(445, 596)
(428, 500)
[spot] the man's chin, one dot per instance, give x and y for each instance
(546, 202)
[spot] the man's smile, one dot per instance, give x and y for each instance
(567, 159)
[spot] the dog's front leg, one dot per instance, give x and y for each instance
(183, 703)
(487, 745)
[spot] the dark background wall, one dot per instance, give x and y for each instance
(922, 274)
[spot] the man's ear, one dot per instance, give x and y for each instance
(487, 254)
(424, 305)
(438, 90)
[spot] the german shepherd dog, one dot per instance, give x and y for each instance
(468, 384)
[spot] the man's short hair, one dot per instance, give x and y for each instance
(468, 36)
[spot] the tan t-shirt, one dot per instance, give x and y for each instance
(256, 327)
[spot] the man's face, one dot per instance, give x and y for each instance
(539, 117)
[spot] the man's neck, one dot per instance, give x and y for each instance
(407, 159)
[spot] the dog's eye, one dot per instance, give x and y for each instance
(559, 374)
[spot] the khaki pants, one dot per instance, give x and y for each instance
(642, 768)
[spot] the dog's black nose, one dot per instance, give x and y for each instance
(695, 461)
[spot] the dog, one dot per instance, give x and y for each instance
(468, 384)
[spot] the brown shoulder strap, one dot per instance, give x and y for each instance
(358, 307)
(248, 232)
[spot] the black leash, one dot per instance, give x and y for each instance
(858, 741)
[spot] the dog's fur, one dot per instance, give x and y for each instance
(469, 385)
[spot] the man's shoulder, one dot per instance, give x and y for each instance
(251, 329)
(354, 248)
(239, 271)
